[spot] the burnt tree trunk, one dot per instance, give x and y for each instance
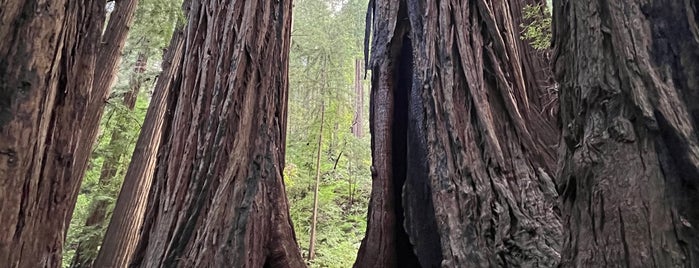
(48, 54)
(461, 167)
(87, 248)
(218, 197)
(629, 71)
(123, 231)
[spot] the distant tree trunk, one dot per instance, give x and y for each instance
(87, 247)
(47, 57)
(629, 71)
(218, 197)
(314, 219)
(122, 233)
(460, 168)
(358, 124)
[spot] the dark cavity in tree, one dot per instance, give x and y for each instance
(399, 149)
(409, 168)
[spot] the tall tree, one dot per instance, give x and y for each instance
(50, 96)
(461, 167)
(217, 198)
(122, 234)
(87, 248)
(629, 71)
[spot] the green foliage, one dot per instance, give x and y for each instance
(538, 29)
(327, 38)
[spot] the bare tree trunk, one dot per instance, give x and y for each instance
(460, 166)
(314, 220)
(218, 197)
(629, 71)
(87, 247)
(47, 57)
(358, 125)
(48, 101)
(122, 234)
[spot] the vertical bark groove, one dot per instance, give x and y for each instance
(48, 55)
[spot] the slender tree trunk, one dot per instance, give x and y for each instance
(218, 197)
(47, 57)
(122, 233)
(629, 71)
(460, 168)
(357, 126)
(87, 248)
(314, 220)
(110, 48)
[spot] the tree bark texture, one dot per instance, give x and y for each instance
(460, 163)
(629, 71)
(218, 197)
(48, 100)
(110, 46)
(123, 232)
(89, 244)
(48, 54)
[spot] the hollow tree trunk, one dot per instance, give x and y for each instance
(218, 197)
(47, 58)
(123, 232)
(460, 170)
(629, 71)
(88, 246)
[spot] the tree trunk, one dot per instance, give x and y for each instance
(460, 166)
(314, 220)
(122, 233)
(358, 124)
(48, 103)
(218, 197)
(629, 71)
(47, 57)
(87, 248)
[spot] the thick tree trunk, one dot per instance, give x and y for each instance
(87, 248)
(124, 227)
(47, 57)
(461, 168)
(48, 97)
(218, 197)
(629, 71)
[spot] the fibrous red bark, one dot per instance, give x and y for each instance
(51, 100)
(88, 245)
(48, 55)
(217, 198)
(461, 156)
(123, 232)
(629, 71)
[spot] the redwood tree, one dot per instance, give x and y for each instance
(629, 71)
(217, 198)
(123, 231)
(462, 157)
